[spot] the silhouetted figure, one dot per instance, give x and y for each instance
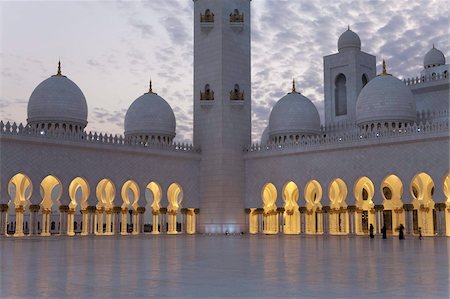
(401, 236)
(420, 233)
(371, 231)
(383, 231)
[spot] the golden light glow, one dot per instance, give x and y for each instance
(106, 191)
(130, 194)
(20, 189)
(51, 191)
(291, 214)
(79, 184)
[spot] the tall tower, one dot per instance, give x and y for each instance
(345, 74)
(222, 106)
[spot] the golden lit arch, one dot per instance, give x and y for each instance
(130, 194)
(392, 188)
(79, 188)
(446, 187)
(106, 191)
(422, 187)
(156, 191)
(422, 191)
(313, 193)
(338, 192)
(291, 212)
(269, 198)
(175, 197)
(363, 190)
(51, 191)
(20, 189)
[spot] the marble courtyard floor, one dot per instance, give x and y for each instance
(224, 266)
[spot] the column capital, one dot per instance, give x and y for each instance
(351, 208)
(91, 209)
(141, 210)
(63, 208)
(196, 211)
(163, 210)
(117, 210)
(34, 208)
(408, 207)
(19, 209)
(4, 207)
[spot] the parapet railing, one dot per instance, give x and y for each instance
(93, 138)
(353, 135)
(433, 77)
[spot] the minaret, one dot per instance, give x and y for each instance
(345, 74)
(222, 104)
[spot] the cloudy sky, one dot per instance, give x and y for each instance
(112, 48)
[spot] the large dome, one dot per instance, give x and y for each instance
(57, 100)
(349, 40)
(150, 115)
(385, 99)
(294, 114)
(434, 57)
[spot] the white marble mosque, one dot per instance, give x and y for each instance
(380, 156)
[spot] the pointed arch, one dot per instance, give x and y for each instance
(313, 197)
(424, 214)
(291, 209)
(270, 219)
(337, 192)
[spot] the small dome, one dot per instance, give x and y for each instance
(150, 115)
(349, 39)
(265, 136)
(434, 57)
(294, 114)
(385, 99)
(57, 99)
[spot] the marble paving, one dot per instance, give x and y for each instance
(204, 266)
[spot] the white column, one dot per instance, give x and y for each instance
(70, 222)
(155, 222)
(123, 230)
(85, 221)
(135, 223)
(19, 222)
(108, 222)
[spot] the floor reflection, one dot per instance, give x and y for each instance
(227, 266)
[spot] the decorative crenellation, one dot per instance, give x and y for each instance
(93, 138)
(433, 77)
(354, 136)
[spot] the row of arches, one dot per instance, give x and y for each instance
(101, 209)
(336, 216)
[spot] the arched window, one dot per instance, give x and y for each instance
(340, 95)
(364, 80)
(52, 226)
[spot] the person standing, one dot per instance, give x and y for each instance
(401, 236)
(383, 231)
(371, 231)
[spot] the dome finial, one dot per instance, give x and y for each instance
(433, 45)
(293, 87)
(150, 87)
(59, 69)
(384, 72)
(348, 27)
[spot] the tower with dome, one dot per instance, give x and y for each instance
(380, 157)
